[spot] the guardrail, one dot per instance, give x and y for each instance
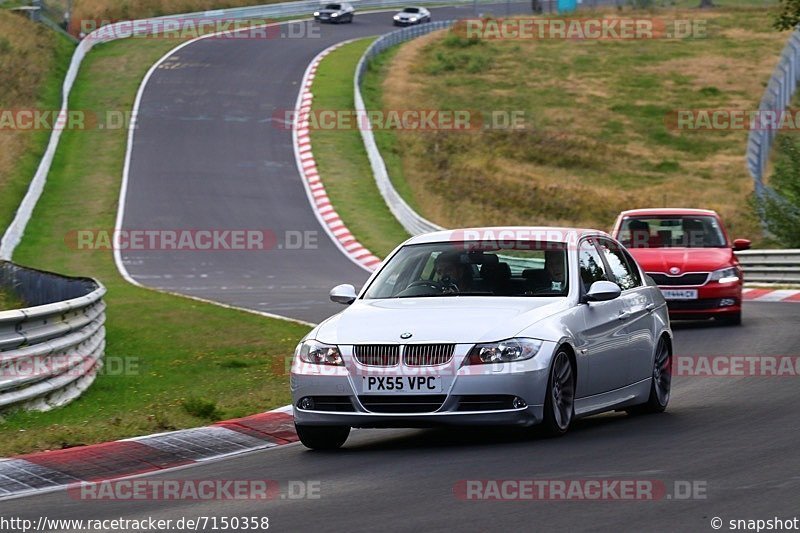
(777, 97)
(51, 351)
(412, 221)
(770, 266)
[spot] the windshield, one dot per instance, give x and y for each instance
(672, 232)
(334, 6)
(411, 10)
(521, 268)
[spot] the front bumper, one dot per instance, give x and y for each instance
(456, 404)
(402, 22)
(713, 299)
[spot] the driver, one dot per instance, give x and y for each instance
(451, 272)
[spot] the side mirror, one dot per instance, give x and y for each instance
(343, 294)
(602, 291)
(741, 244)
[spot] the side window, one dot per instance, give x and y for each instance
(618, 263)
(591, 265)
(633, 268)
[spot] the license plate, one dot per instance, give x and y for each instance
(679, 294)
(401, 384)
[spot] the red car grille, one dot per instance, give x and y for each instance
(694, 278)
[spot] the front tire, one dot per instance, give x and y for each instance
(559, 403)
(661, 384)
(322, 437)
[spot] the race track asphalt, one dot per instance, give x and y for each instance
(210, 152)
(737, 437)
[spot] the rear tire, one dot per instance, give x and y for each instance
(661, 383)
(559, 402)
(322, 437)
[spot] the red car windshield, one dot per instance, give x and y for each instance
(685, 231)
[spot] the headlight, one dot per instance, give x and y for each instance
(413, 19)
(504, 351)
(725, 275)
(316, 13)
(396, 17)
(318, 353)
(334, 14)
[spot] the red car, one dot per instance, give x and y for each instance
(690, 257)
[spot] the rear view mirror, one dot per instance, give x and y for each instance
(741, 244)
(343, 294)
(602, 291)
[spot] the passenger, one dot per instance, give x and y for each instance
(554, 266)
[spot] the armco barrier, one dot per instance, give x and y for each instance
(770, 266)
(408, 218)
(119, 30)
(777, 97)
(51, 351)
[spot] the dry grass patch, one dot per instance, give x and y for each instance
(32, 62)
(597, 138)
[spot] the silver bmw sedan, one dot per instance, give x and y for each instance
(506, 326)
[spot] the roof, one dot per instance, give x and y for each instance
(655, 211)
(507, 233)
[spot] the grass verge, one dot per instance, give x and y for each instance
(342, 160)
(33, 61)
(172, 362)
(597, 137)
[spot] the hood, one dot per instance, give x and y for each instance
(453, 319)
(685, 259)
(408, 15)
(328, 11)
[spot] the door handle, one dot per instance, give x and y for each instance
(624, 315)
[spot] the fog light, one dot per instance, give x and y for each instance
(518, 403)
(727, 301)
(306, 403)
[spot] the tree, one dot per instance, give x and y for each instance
(789, 16)
(781, 209)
